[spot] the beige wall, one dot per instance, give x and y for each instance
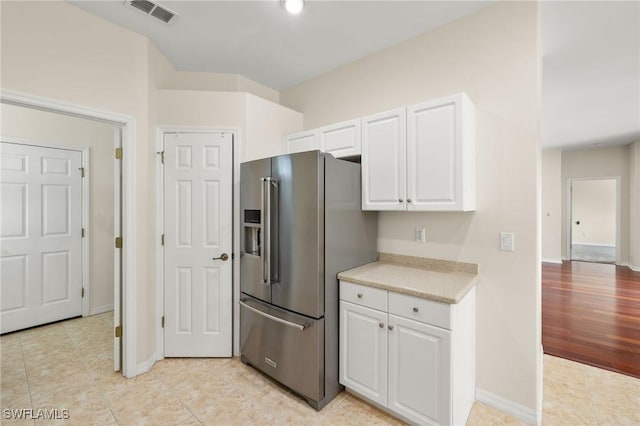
(593, 163)
(58, 51)
(493, 57)
(634, 206)
(55, 50)
(34, 126)
(551, 175)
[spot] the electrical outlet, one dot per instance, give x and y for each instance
(421, 235)
(507, 241)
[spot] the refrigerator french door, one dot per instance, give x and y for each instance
(301, 225)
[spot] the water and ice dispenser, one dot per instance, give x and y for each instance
(252, 230)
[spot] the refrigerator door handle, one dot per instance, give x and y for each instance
(269, 267)
(300, 327)
(266, 230)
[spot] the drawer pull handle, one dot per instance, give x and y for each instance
(391, 327)
(381, 325)
(359, 295)
(415, 309)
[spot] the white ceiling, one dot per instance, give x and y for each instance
(261, 41)
(591, 73)
(591, 49)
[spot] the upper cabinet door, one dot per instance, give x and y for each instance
(341, 139)
(384, 161)
(441, 155)
(303, 141)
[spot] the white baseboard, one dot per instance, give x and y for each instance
(594, 245)
(101, 309)
(145, 366)
(552, 261)
(634, 268)
(525, 414)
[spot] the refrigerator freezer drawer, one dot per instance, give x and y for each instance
(286, 346)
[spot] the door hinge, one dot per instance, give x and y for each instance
(118, 153)
(81, 171)
(162, 321)
(162, 239)
(82, 233)
(82, 291)
(118, 331)
(118, 242)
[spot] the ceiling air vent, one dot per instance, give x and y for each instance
(153, 9)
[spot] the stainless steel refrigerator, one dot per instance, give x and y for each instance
(301, 224)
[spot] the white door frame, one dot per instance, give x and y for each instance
(86, 264)
(235, 274)
(128, 123)
(618, 211)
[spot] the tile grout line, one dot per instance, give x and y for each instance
(26, 373)
(98, 388)
(176, 394)
(593, 407)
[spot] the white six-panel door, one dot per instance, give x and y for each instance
(40, 235)
(198, 229)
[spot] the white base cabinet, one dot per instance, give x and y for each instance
(363, 362)
(411, 356)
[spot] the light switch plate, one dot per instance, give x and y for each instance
(507, 241)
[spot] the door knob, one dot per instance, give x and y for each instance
(222, 257)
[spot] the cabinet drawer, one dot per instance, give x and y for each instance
(370, 297)
(423, 310)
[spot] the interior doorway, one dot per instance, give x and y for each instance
(594, 219)
(98, 283)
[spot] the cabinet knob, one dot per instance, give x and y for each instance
(390, 327)
(400, 200)
(359, 295)
(408, 200)
(415, 309)
(381, 325)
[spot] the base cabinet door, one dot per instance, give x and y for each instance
(363, 354)
(419, 371)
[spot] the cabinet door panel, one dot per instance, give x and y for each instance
(363, 351)
(419, 371)
(441, 155)
(341, 139)
(432, 150)
(384, 161)
(300, 142)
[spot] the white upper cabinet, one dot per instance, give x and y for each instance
(303, 141)
(426, 165)
(341, 139)
(384, 144)
(416, 158)
(441, 155)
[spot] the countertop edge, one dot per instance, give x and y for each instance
(411, 291)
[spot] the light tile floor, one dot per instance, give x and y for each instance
(68, 365)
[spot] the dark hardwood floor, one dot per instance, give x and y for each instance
(591, 314)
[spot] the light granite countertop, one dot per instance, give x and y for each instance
(440, 280)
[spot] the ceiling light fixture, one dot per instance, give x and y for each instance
(294, 6)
